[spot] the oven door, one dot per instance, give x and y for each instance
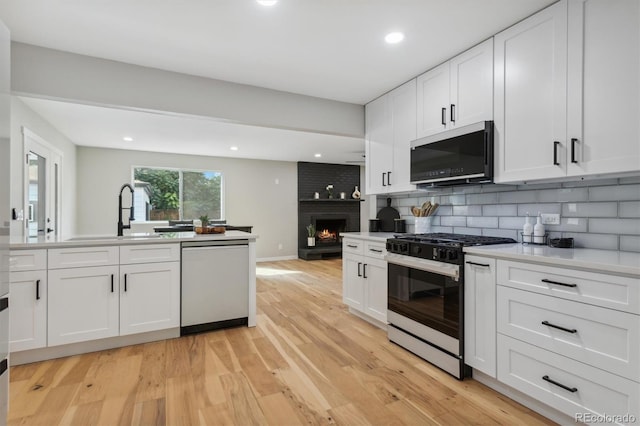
(427, 292)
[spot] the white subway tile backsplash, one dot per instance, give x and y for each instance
(448, 229)
(444, 210)
(602, 209)
(531, 186)
(629, 209)
(629, 243)
(505, 233)
(585, 183)
(596, 241)
(500, 210)
(491, 198)
(517, 197)
(467, 210)
(570, 224)
(453, 220)
(614, 193)
(615, 226)
(510, 222)
(533, 209)
(455, 200)
(563, 195)
(630, 179)
(482, 222)
(468, 231)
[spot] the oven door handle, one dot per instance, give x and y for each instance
(427, 265)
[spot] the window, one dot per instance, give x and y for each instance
(171, 194)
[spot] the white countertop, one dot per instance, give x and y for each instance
(109, 240)
(619, 262)
(370, 236)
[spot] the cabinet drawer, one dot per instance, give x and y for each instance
(352, 246)
(591, 390)
(376, 250)
(78, 257)
(601, 337)
(28, 260)
(149, 253)
(611, 291)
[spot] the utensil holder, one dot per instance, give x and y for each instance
(423, 224)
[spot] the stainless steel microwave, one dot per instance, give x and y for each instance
(460, 156)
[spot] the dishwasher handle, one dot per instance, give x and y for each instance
(219, 243)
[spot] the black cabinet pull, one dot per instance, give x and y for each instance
(111, 283)
(388, 178)
(573, 150)
(359, 265)
(453, 113)
(375, 250)
(383, 184)
(352, 246)
(544, 280)
(125, 282)
(37, 289)
(486, 265)
(4, 303)
(364, 271)
(555, 153)
(553, 382)
(568, 330)
(444, 117)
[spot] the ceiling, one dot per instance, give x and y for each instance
(331, 49)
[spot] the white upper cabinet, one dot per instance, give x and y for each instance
(390, 128)
(456, 93)
(530, 93)
(604, 87)
(567, 92)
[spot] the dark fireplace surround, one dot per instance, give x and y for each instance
(329, 216)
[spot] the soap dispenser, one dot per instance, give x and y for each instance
(538, 231)
(527, 230)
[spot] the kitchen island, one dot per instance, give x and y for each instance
(90, 293)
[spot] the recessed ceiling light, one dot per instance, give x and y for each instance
(267, 2)
(234, 148)
(127, 139)
(317, 155)
(393, 38)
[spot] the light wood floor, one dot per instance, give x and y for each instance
(307, 362)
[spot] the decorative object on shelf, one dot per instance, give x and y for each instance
(330, 190)
(356, 194)
(342, 195)
(316, 195)
(311, 235)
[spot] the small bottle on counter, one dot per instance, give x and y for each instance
(527, 230)
(538, 231)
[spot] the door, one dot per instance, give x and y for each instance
(375, 274)
(530, 95)
(353, 282)
(42, 186)
(378, 144)
(604, 86)
(28, 314)
(433, 101)
(149, 297)
(402, 102)
(83, 304)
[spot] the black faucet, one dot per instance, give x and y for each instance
(122, 226)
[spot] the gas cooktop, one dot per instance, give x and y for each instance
(462, 240)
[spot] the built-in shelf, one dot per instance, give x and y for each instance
(330, 200)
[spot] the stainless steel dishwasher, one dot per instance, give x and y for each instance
(215, 285)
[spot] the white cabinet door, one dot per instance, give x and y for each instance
(403, 115)
(604, 86)
(433, 101)
(480, 314)
(28, 313)
(378, 144)
(530, 94)
(149, 297)
(352, 281)
(83, 304)
(472, 85)
(375, 293)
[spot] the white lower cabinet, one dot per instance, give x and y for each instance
(364, 277)
(83, 304)
(28, 313)
(149, 297)
(480, 314)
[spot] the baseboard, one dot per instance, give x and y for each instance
(368, 319)
(277, 258)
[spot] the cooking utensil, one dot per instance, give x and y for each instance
(386, 216)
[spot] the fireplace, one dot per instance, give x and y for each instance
(328, 230)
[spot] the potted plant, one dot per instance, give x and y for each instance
(311, 232)
(204, 221)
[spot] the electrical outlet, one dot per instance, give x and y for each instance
(550, 218)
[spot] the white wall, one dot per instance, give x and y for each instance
(22, 115)
(252, 196)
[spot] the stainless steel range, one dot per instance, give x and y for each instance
(426, 295)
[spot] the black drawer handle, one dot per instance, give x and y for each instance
(37, 289)
(111, 283)
(383, 184)
(388, 178)
(352, 246)
(553, 382)
(486, 265)
(444, 117)
(359, 265)
(453, 113)
(375, 250)
(573, 150)
(555, 153)
(125, 282)
(568, 330)
(364, 271)
(544, 280)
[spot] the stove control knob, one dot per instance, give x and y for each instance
(404, 248)
(453, 255)
(442, 254)
(416, 249)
